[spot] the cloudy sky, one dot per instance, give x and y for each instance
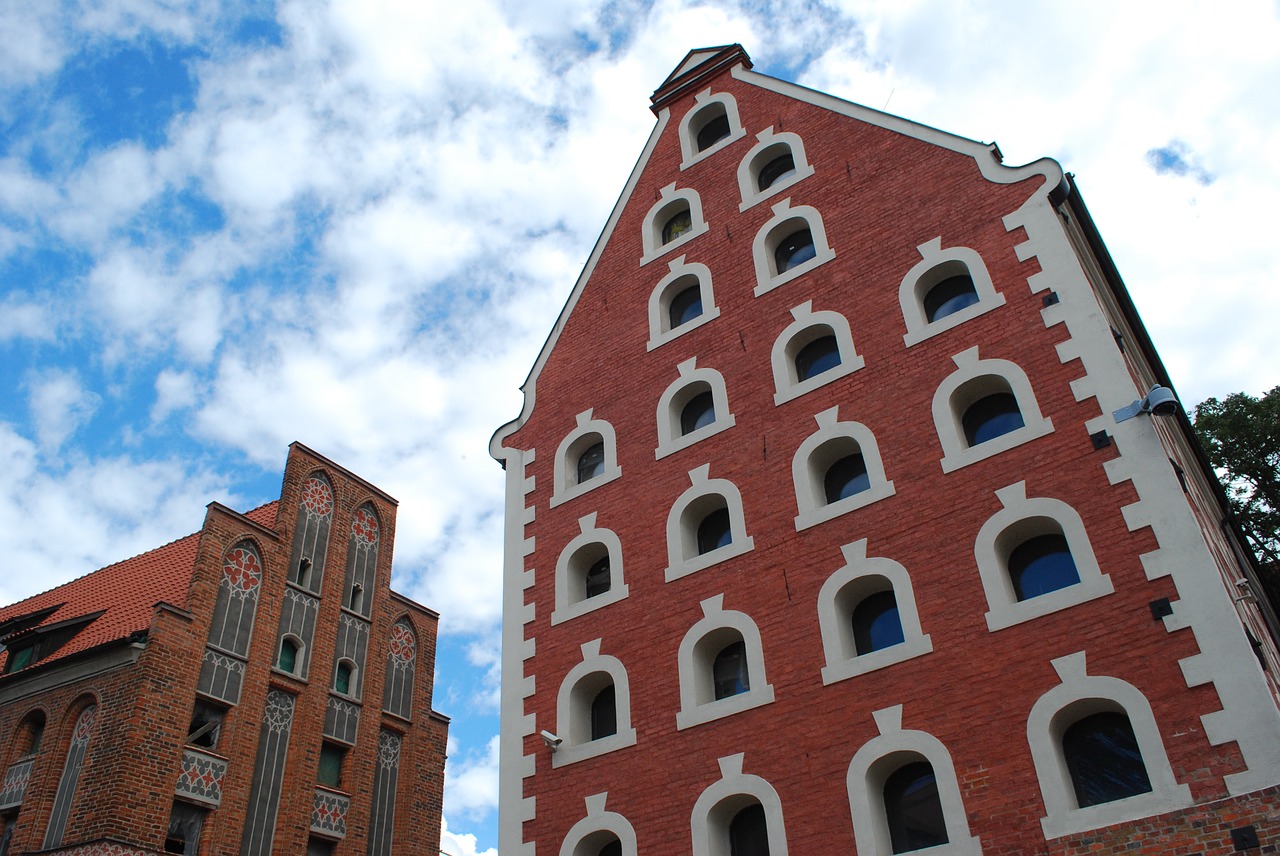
(227, 225)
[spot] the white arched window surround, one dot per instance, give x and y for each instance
(973, 379)
(937, 264)
(707, 106)
(671, 285)
(703, 496)
(598, 828)
(585, 434)
(670, 202)
(832, 441)
(692, 382)
(575, 559)
(843, 591)
(785, 222)
(807, 327)
(353, 677)
(724, 798)
(880, 758)
(716, 629)
(573, 707)
(300, 656)
(1020, 519)
(770, 146)
(1077, 696)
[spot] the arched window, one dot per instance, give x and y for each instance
(586, 459)
(600, 833)
(945, 289)
(588, 572)
(705, 525)
(593, 708)
(290, 648)
(818, 356)
(1035, 558)
(682, 301)
(692, 408)
(362, 559)
(749, 832)
(815, 349)
(81, 733)
(1103, 759)
(912, 808)
(837, 469)
(983, 408)
(674, 220)
(298, 613)
(876, 623)
(342, 677)
(30, 733)
(721, 666)
(402, 663)
(776, 162)
(311, 533)
(739, 815)
(790, 244)
(709, 126)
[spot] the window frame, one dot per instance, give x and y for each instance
(688, 511)
(679, 393)
(565, 484)
(566, 606)
(573, 708)
(300, 657)
(590, 833)
(670, 201)
(721, 801)
(769, 146)
(785, 221)
(690, 126)
(786, 380)
(660, 329)
(935, 265)
(698, 648)
(812, 508)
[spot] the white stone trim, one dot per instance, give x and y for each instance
(973, 379)
(1079, 695)
(689, 134)
(1019, 519)
(586, 548)
(877, 760)
(717, 628)
(670, 202)
(660, 329)
(782, 224)
(771, 145)
(681, 392)
(723, 799)
(573, 707)
(689, 510)
(796, 336)
(833, 440)
(565, 475)
(588, 835)
(840, 594)
(936, 264)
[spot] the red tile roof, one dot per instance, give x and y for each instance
(125, 593)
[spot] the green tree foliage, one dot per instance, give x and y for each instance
(1242, 436)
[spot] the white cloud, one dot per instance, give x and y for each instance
(460, 843)
(471, 783)
(59, 406)
(174, 391)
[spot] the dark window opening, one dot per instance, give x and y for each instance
(794, 250)
(877, 623)
(597, 579)
(713, 132)
(991, 417)
(677, 225)
(183, 835)
(330, 771)
(1103, 759)
(591, 463)
(714, 531)
(846, 477)
(342, 678)
(783, 166)
(1041, 565)
(20, 658)
(913, 809)
(288, 656)
(749, 832)
(206, 723)
(604, 713)
(729, 671)
(319, 847)
(820, 355)
(685, 306)
(355, 601)
(698, 413)
(949, 297)
(613, 848)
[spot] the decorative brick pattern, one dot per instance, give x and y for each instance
(15, 783)
(329, 813)
(201, 776)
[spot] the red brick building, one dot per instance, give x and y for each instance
(256, 688)
(840, 519)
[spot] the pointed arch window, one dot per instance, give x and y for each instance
(402, 661)
(81, 735)
(362, 560)
(311, 533)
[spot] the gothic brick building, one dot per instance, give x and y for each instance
(256, 688)
(850, 510)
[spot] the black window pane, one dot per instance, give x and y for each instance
(613, 848)
(991, 417)
(676, 226)
(817, 357)
(846, 477)
(949, 296)
(713, 132)
(749, 833)
(698, 413)
(876, 623)
(912, 808)
(206, 720)
(714, 531)
(729, 671)
(342, 680)
(591, 463)
(604, 714)
(330, 771)
(1103, 759)
(288, 655)
(597, 579)
(777, 169)
(685, 306)
(794, 250)
(1041, 565)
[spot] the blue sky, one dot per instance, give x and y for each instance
(225, 226)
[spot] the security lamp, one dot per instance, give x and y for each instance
(553, 742)
(1160, 400)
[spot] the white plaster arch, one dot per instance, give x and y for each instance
(807, 327)
(690, 383)
(565, 484)
(703, 495)
(599, 827)
(784, 222)
(705, 107)
(724, 798)
(577, 556)
(717, 628)
(770, 145)
(682, 275)
(669, 203)
(820, 450)
(936, 264)
(573, 707)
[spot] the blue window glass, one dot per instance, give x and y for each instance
(685, 306)
(1103, 759)
(698, 413)
(991, 417)
(876, 623)
(714, 531)
(1041, 565)
(820, 355)
(591, 463)
(777, 169)
(729, 671)
(846, 477)
(794, 250)
(949, 297)
(913, 809)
